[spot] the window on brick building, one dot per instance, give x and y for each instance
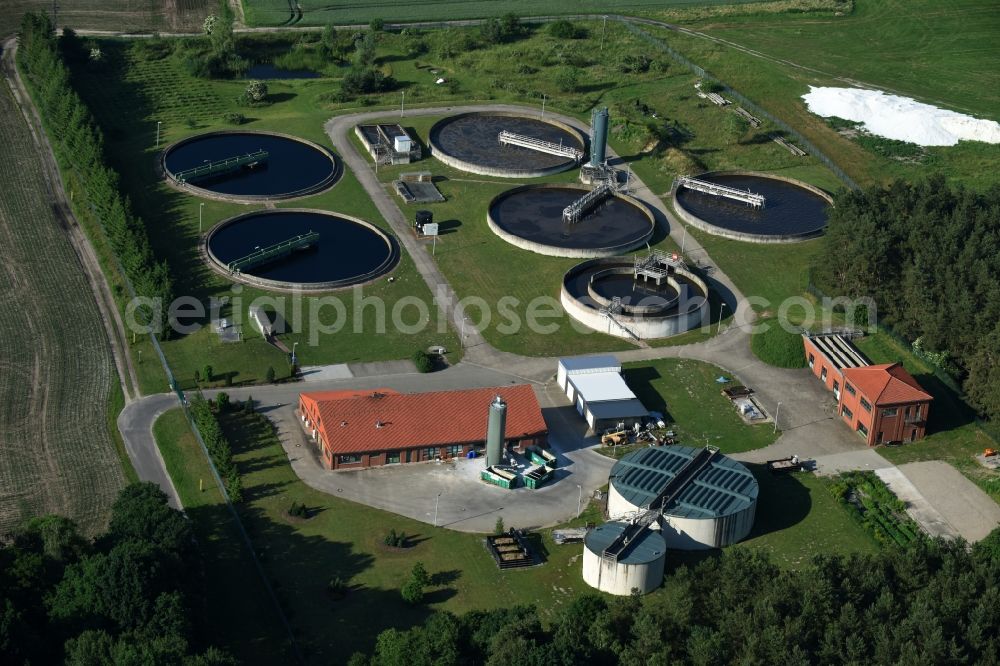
(453, 450)
(347, 460)
(849, 388)
(812, 360)
(890, 411)
(822, 375)
(865, 405)
(862, 429)
(846, 412)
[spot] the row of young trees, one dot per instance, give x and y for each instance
(933, 604)
(218, 445)
(79, 144)
(929, 256)
(131, 596)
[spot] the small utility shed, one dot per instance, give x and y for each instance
(595, 386)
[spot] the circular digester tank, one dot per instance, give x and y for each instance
(303, 249)
(792, 210)
(249, 166)
(657, 296)
(639, 565)
(711, 504)
(471, 142)
(531, 217)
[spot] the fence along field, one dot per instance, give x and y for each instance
(117, 15)
(318, 12)
(56, 454)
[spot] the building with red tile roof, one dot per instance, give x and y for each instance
(882, 403)
(357, 429)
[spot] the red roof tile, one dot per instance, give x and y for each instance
(886, 384)
(348, 423)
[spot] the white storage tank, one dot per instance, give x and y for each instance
(711, 499)
(637, 564)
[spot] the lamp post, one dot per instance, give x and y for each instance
(464, 320)
(777, 410)
(402, 104)
(201, 208)
(579, 500)
(604, 30)
(543, 105)
(684, 238)
(294, 360)
(437, 501)
(721, 306)
(158, 123)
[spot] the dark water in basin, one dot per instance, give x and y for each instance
(345, 250)
(291, 166)
(536, 215)
(788, 208)
(473, 139)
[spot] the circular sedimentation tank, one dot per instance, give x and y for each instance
(347, 251)
(678, 303)
(714, 508)
(531, 217)
(470, 142)
(638, 566)
(793, 210)
(292, 167)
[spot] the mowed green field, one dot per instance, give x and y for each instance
(318, 12)
(943, 53)
(56, 374)
(116, 15)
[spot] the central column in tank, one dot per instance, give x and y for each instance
(496, 429)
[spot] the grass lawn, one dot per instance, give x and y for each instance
(954, 435)
(797, 517)
(687, 394)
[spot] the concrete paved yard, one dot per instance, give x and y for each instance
(961, 503)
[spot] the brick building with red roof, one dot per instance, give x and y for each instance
(883, 403)
(358, 429)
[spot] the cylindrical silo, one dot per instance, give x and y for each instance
(709, 505)
(496, 428)
(598, 136)
(639, 565)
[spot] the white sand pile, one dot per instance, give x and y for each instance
(900, 118)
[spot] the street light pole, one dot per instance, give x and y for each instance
(402, 104)
(464, 319)
(201, 207)
(543, 105)
(604, 30)
(437, 501)
(294, 345)
(683, 240)
(158, 123)
(721, 305)
(579, 500)
(777, 410)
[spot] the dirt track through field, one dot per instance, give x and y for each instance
(56, 369)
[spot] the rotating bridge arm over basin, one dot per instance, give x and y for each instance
(224, 166)
(274, 252)
(684, 476)
(574, 212)
(747, 197)
(542, 146)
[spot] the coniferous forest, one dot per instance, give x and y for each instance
(929, 256)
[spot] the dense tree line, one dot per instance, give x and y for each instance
(929, 256)
(131, 596)
(218, 445)
(933, 603)
(79, 144)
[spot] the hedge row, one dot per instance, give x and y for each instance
(79, 144)
(218, 446)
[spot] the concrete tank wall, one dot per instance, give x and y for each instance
(702, 533)
(618, 578)
(710, 228)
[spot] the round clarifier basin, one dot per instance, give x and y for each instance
(470, 142)
(531, 217)
(792, 211)
(292, 168)
(677, 304)
(348, 251)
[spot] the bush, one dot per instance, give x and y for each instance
(248, 405)
(498, 527)
(234, 118)
(207, 373)
(256, 92)
(269, 377)
(423, 361)
(778, 347)
(395, 539)
(567, 79)
(222, 401)
(338, 587)
(364, 81)
(298, 510)
(412, 593)
(566, 30)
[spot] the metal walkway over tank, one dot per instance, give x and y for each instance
(574, 212)
(747, 197)
(684, 476)
(228, 165)
(540, 145)
(273, 252)
(656, 265)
